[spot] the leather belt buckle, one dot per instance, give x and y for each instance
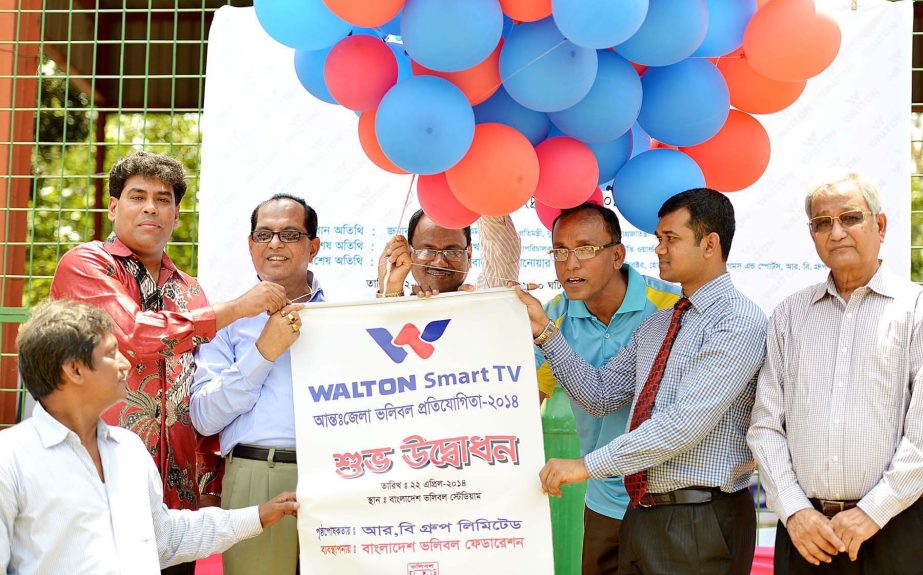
(646, 501)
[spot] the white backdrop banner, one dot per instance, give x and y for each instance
(419, 441)
(263, 134)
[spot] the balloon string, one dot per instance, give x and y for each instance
(413, 178)
(495, 87)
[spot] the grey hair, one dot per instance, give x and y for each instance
(845, 183)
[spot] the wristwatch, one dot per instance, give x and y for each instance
(550, 330)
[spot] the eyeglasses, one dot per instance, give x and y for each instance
(823, 224)
(285, 236)
(582, 253)
(428, 254)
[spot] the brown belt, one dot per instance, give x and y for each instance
(687, 496)
(831, 508)
(262, 454)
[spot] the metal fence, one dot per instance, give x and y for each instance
(82, 82)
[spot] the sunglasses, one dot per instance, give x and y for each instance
(823, 224)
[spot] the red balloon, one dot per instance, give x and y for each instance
(752, 92)
(359, 70)
(736, 156)
(477, 83)
(365, 13)
(439, 203)
(526, 10)
(568, 172)
(369, 142)
(786, 40)
(499, 172)
(547, 215)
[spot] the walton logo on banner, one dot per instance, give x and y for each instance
(410, 336)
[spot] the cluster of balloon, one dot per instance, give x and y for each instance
(492, 102)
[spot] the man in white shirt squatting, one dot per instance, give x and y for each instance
(79, 496)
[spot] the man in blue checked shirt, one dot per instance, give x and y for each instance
(603, 302)
(243, 383)
(690, 375)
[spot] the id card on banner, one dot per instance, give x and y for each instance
(419, 438)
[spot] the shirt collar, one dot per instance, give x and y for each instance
(881, 283)
(634, 300)
(317, 291)
(114, 246)
(711, 292)
(52, 432)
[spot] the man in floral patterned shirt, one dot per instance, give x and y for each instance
(160, 315)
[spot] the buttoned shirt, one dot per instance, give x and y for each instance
(241, 395)
(159, 346)
(696, 435)
(836, 416)
(597, 343)
(56, 516)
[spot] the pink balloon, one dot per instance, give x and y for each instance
(359, 70)
(568, 172)
(547, 215)
(439, 203)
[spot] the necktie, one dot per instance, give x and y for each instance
(636, 483)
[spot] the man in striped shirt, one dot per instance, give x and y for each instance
(690, 375)
(603, 302)
(837, 426)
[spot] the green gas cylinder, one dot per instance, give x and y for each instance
(561, 441)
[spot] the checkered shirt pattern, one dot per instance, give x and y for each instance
(839, 407)
(696, 436)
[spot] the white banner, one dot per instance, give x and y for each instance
(265, 134)
(419, 440)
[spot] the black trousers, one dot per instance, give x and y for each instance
(600, 543)
(181, 569)
(717, 537)
(895, 550)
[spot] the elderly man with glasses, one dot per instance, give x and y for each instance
(837, 426)
(439, 258)
(603, 303)
(243, 384)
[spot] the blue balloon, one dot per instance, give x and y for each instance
(651, 178)
(672, 31)
(611, 156)
(727, 20)
(393, 26)
(309, 67)
(599, 23)
(611, 106)
(451, 35)
(684, 104)
(508, 25)
(404, 70)
(305, 24)
(640, 140)
(424, 124)
(543, 71)
(502, 109)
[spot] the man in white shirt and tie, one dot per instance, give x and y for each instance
(79, 496)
